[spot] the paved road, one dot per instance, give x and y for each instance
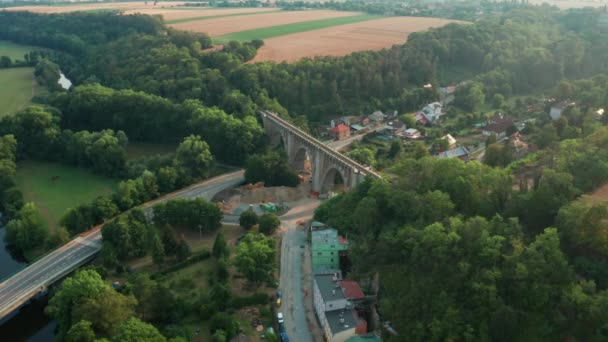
(27, 283)
(300, 323)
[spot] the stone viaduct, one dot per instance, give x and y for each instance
(326, 162)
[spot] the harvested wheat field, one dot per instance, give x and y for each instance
(221, 26)
(169, 14)
(124, 6)
(345, 39)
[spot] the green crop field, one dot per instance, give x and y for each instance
(185, 20)
(17, 89)
(55, 187)
(281, 30)
(15, 51)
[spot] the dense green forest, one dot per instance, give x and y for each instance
(482, 253)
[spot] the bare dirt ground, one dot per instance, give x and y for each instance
(342, 40)
(567, 4)
(88, 7)
(221, 26)
(600, 194)
(173, 14)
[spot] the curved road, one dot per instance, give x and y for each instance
(26, 284)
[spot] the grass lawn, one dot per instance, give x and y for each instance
(185, 20)
(281, 30)
(139, 150)
(55, 187)
(16, 51)
(17, 89)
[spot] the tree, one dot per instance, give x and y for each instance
(183, 250)
(59, 238)
(248, 219)
(84, 284)
(270, 168)
(226, 323)
(220, 248)
(134, 330)
(396, 147)
(255, 257)
(498, 101)
(219, 336)
(497, 154)
(106, 310)
(158, 250)
(81, 332)
(408, 119)
(194, 156)
(269, 223)
(27, 230)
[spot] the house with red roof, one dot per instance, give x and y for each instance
(339, 132)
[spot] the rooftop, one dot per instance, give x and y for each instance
(340, 128)
(327, 236)
(454, 153)
(351, 289)
(563, 104)
(330, 289)
(340, 320)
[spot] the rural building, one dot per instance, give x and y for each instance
(432, 112)
(377, 117)
(334, 305)
(327, 248)
(412, 133)
(396, 127)
(451, 141)
(421, 119)
(459, 152)
(339, 132)
(498, 125)
(558, 108)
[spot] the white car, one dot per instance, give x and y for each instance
(280, 317)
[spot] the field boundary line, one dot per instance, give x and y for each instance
(186, 20)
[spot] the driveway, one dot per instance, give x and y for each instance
(295, 279)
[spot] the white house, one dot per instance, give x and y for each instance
(432, 112)
(377, 116)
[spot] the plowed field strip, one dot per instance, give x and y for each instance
(281, 30)
(185, 20)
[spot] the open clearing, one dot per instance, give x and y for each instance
(16, 51)
(124, 6)
(190, 13)
(55, 187)
(242, 24)
(345, 39)
(17, 87)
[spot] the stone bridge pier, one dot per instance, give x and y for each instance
(327, 164)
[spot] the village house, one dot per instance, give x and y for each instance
(459, 152)
(339, 132)
(450, 139)
(334, 301)
(412, 133)
(558, 108)
(498, 125)
(377, 117)
(518, 147)
(396, 128)
(430, 113)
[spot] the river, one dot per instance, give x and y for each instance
(30, 323)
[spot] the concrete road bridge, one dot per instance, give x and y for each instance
(329, 167)
(37, 277)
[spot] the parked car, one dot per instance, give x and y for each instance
(278, 302)
(280, 318)
(284, 337)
